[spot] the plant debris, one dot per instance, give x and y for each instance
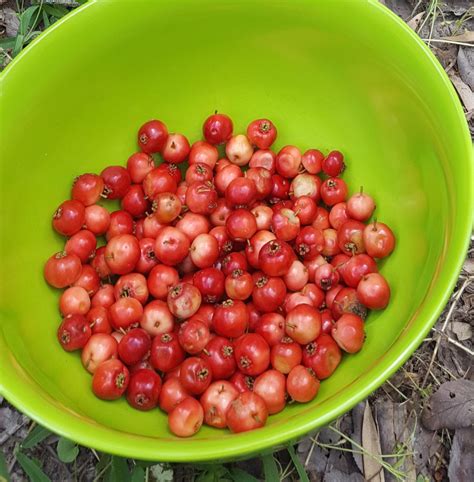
(452, 406)
(371, 443)
(461, 464)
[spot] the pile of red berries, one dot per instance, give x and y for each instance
(223, 290)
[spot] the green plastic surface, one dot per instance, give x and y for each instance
(329, 73)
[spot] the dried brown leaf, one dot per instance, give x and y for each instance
(341, 461)
(396, 426)
(468, 266)
(318, 459)
(9, 19)
(335, 475)
(371, 443)
(426, 445)
(357, 417)
(464, 37)
(464, 92)
(446, 55)
(452, 406)
(462, 330)
(461, 461)
(415, 21)
(465, 61)
(457, 7)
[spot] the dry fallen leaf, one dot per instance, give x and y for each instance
(371, 442)
(464, 92)
(335, 475)
(396, 425)
(463, 331)
(461, 460)
(452, 406)
(468, 266)
(426, 444)
(415, 21)
(9, 19)
(357, 416)
(463, 37)
(458, 7)
(321, 460)
(465, 61)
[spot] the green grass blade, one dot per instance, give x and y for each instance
(46, 21)
(37, 435)
(297, 463)
(18, 44)
(145, 463)
(138, 474)
(270, 468)
(239, 475)
(31, 468)
(119, 472)
(27, 19)
(57, 11)
(4, 477)
(7, 42)
(103, 466)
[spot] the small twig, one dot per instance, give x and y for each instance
(310, 452)
(387, 393)
(456, 298)
(397, 390)
(420, 389)
(280, 468)
(102, 472)
(435, 8)
(438, 40)
(458, 367)
(441, 459)
(82, 468)
(361, 452)
(452, 375)
(454, 342)
(396, 473)
(426, 365)
(12, 463)
(415, 9)
(9, 433)
(427, 16)
(55, 457)
(287, 472)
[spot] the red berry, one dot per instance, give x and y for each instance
(152, 136)
(217, 128)
(333, 165)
